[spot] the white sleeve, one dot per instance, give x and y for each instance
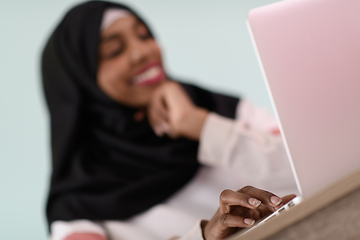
(62, 229)
(251, 144)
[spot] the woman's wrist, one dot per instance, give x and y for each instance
(194, 122)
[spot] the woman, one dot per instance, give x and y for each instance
(103, 79)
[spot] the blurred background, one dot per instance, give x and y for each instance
(204, 42)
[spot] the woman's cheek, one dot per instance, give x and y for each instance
(109, 72)
(158, 53)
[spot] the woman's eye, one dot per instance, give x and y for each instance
(143, 32)
(145, 36)
(112, 49)
(113, 53)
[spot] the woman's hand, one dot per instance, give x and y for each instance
(172, 112)
(240, 210)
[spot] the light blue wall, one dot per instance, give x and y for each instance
(204, 41)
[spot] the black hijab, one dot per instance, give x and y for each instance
(105, 165)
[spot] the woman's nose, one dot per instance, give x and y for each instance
(139, 53)
(135, 55)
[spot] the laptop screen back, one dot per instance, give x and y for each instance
(310, 55)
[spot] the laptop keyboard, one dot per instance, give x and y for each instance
(284, 208)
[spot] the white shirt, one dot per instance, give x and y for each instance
(245, 151)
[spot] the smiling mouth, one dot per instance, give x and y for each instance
(151, 76)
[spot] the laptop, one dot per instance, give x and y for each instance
(309, 54)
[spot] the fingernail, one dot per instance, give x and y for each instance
(158, 132)
(254, 202)
(249, 221)
(165, 127)
(227, 209)
(275, 200)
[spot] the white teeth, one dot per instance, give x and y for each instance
(147, 75)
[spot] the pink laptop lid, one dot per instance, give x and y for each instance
(310, 54)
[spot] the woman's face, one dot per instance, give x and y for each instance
(130, 66)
